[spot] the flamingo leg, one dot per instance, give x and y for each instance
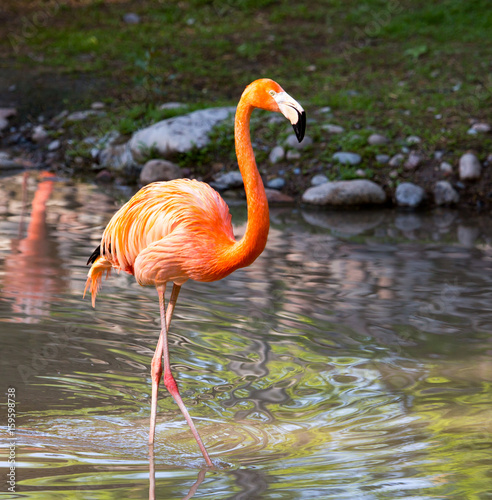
(162, 351)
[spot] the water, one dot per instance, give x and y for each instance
(351, 361)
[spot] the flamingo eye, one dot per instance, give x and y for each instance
(272, 93)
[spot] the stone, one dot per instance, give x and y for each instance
(292, 154)
(481, 127)
(446, 167)
(5, 114)
(274, 196)
(413, 139)
(409, 195)
(159, 170)
(78, 116)
(345, 193)
(292, 142)
(54, 145)
(445, 194)
(382, 158)
(131, 18)
(393, 174)
(179, 134)
(324, 109)
(172, 105)
(319, 179)
(377, 140)
(277, 183)
(347, 158)
(408, 222)
(413, 161)
(469, 168)
(104, 176)
(333, 129)
(396, 160)
(360, 172)
(230, 180)
(276, 154)
(98, 105)
(39, 134)
(118, 158)
(8, 164)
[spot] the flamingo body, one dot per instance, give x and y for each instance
(181, 229)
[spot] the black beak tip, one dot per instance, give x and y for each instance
(300, 126)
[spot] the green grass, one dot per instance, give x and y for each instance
(386, 66)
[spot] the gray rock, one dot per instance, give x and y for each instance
(481, 127)
(54, 145)
(470, 168)
(319, 179)
(98, 105)
(333, 129)
(344, 193)
(276, 154)
(382, 159)
(446, 167)
(325, 109)
(413, 139)
(131, 18)
(413, 161)
(347, 158)
(377, 140)
(230, 180)
(39, 134)
(407, 223)
(409, 195)
(179, 134)
(274, 196)
(277, 183)
(118, 158)
(78, 116)
(445, 194)
(360, 172)
(159, 170)
(393, 174)
(396, 160)
(6, 163)
(292, 142)
(172, 105)
(5, 114)
(292, 154)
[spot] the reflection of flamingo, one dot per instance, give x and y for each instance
(181, 229)
(32, 274)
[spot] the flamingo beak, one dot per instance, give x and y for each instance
(293, 111)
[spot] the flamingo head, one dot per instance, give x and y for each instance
(269, 95)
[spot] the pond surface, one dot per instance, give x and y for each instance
(352, 360)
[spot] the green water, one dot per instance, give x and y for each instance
(351, 361)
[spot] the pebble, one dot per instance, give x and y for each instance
(344, 193)
(408, 222)
(408, 194)
(159, 170)
(325, 109)
(293, 154)
(396, 160)
(446, 167)
(231, 179)
(292, 142)
(347, 158)
(54, 145)
(393, 174)
(438, 155)
(469, 168)
(131, 18)
(360, 172)
(413, 161)
(39, 134)
(5, 114)
(274, 196)
(172, 105)
(445, 194)
(78, 116)
(413, 139)
(382, 158)
(276, 154)
(296, 171)
(333, 129)
(319, 179)
(277, 183)
(377, 140)
(481, 127)
(98, 105)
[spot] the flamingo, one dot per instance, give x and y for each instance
(181, 229)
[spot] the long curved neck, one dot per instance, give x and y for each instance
(254, 240)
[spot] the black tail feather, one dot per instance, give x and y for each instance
(95, 254)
